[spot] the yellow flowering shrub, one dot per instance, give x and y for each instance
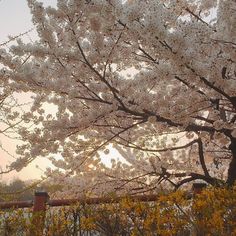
(213, 212)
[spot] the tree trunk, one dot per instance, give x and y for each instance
(232, 166)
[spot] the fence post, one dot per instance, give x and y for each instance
(39, 211)
(198, 187)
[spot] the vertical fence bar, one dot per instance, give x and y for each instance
(198, 187)
(39, 211)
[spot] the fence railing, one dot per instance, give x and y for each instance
(42, 200)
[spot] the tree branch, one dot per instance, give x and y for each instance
(201, 158)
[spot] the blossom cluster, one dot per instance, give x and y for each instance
(172, 118)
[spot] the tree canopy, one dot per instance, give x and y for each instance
(154, 79)
(11, 121)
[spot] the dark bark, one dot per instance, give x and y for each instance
(233, 101)
(195, 176)
(232, 167)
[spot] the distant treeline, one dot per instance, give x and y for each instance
(19, 190)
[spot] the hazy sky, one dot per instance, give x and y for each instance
(15, 18)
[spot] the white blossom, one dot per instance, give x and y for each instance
(154, 79)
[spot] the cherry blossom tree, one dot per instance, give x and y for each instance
(11, 121)
(13, 107)
(153, 79)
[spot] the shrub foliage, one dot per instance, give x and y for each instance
(213, 212)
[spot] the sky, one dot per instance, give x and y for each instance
(15, 19)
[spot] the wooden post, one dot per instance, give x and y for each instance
(198, 187)
(39, 212)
